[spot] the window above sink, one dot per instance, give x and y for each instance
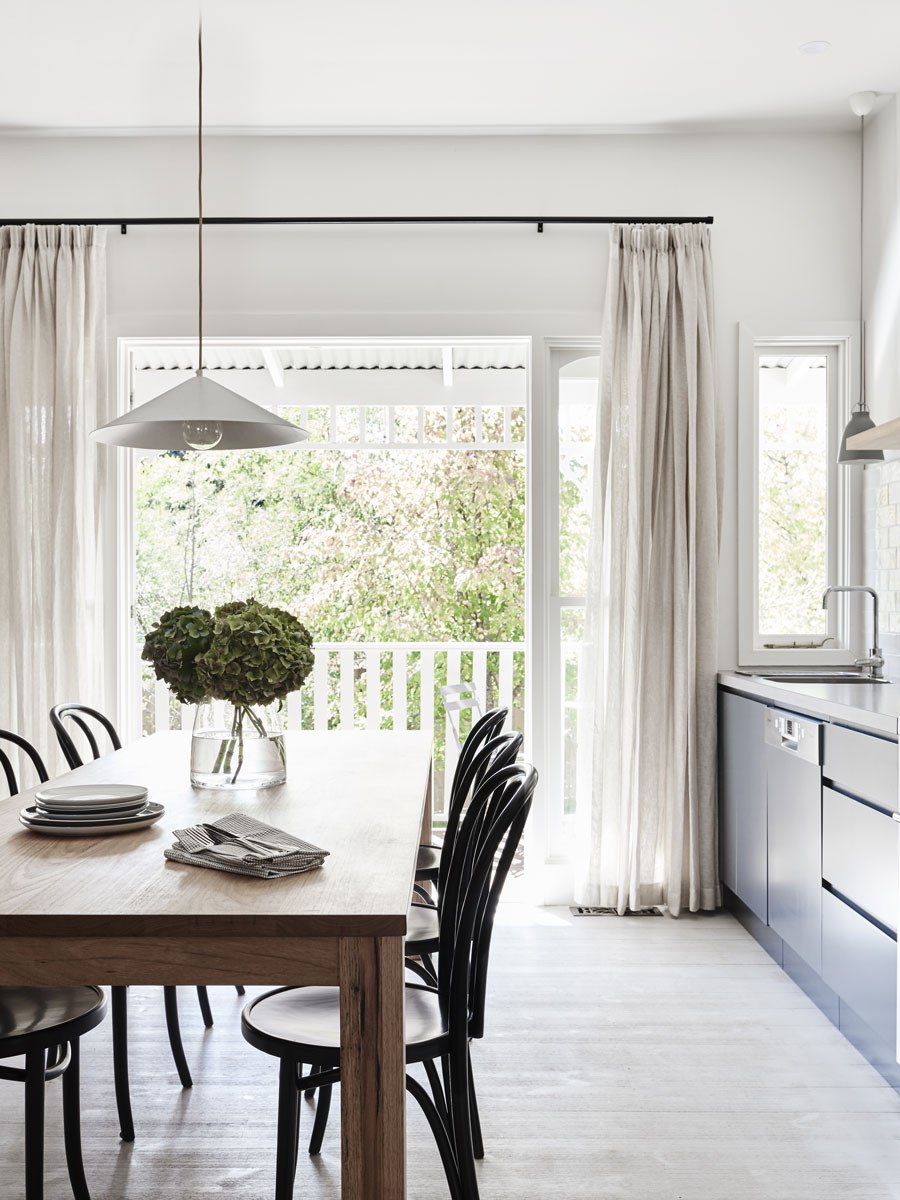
(797, 508)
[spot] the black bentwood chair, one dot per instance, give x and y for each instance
(87, 723)
(485, 728)
(45, 1024)
(422, 939)
(301, 1025)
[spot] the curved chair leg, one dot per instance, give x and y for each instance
(239, 988)
(206, 1011)
(440, 1101)
(71, 1089)
(171, 1001)
(441, 1136)
(120, 1062)
(288, 1103)
(34, 1125)
(310, 1092)
(458, 1101)
(323, 1104)
(477, 1143)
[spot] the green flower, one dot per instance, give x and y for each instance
(173, 646)
(257, 654)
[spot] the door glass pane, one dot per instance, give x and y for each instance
(793, 495)
(578, 387)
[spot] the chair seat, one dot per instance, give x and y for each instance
(32, 1018)
(304, 1024)
(428, 862)
(422, 934)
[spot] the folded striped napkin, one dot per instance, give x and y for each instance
(245, 846)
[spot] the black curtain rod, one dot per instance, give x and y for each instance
(539, 222)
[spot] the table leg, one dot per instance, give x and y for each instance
(373, 1101)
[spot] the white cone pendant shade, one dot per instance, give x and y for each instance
(199, 414)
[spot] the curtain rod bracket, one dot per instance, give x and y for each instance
(540, 227)
(123, 228)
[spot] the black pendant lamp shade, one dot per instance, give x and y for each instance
(860, 422)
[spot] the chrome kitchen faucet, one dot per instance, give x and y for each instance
(875, 660)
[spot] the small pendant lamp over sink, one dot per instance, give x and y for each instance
(860, 421)
(200, 414)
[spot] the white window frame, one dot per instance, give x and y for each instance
(840, 342)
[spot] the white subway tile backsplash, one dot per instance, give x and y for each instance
(881, 552)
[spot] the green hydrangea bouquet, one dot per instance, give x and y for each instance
(247, 654)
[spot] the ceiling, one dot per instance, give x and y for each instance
(461, 66)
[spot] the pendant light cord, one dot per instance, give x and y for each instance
(862, 404)
(200, 198)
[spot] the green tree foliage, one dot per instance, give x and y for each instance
(375, 546)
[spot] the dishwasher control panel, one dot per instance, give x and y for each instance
(796, 735)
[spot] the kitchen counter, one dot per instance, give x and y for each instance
(872, 707)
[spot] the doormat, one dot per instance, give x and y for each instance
(582, 910)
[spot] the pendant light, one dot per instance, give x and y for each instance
(860, 421)
(199, 414)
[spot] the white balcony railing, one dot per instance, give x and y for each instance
(390, 685)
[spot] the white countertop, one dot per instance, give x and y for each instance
(874, 707)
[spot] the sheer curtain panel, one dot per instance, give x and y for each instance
(52, 394)
(649, 829)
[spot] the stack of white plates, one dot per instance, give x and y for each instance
(90, 809)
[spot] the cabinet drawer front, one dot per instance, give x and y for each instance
(859, 962)
(861, 855)
(865, 765)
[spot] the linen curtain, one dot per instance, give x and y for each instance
(52, 394)
(648, 820)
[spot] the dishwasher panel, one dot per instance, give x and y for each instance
(794, 814)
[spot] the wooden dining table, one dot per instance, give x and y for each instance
(113, 910)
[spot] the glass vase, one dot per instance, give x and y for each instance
(237, 746)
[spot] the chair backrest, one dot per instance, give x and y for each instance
(6, 762)
(459, 698)
(500, 751)
(496, 815)
(485, 728)
(81, 716)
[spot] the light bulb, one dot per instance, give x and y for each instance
(201, 435)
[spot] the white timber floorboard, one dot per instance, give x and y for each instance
(626, 1059)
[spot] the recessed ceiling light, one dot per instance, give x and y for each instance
(817, 47)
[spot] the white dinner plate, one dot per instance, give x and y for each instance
(55, 827)
(89, 795)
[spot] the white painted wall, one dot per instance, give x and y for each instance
(784, 208)
(882, 262)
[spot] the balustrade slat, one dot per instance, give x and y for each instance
(294, 718)
(426, 691)
(320, 689)
(348, 699)
(373, 689)
(160, 705)
(398, 661)
(479, 675)
(451, 751)
(506, 678)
